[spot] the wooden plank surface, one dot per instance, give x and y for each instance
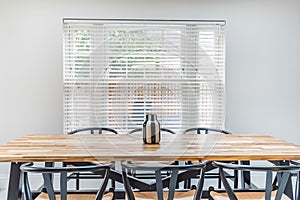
(60, 147)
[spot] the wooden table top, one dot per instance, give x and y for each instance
(107, 147)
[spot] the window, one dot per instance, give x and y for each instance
(116, 71)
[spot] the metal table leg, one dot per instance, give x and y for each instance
(15, 185)
(246, 177)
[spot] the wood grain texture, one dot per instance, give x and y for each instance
(60, 147)
(44, 196)
(246, 196)
(153, 195)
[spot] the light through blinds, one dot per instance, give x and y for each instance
(116, 71)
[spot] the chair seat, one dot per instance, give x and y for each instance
(44, 196)
(245, 195)
(153, 195)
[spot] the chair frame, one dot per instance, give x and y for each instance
(205, 130)
(47, 173)
(283, 171)
(93, 129)
(174, 169)
(79, 176)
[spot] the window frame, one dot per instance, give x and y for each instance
(93, 40)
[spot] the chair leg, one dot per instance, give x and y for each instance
(282, 185)
(77, 181)
(219, 181)
(127, 186)
(172, 185)
(49, 186)
(159, 185)
(101, 191)
(228, 189)
(200, 185)
(187, 182)
(268, 185)
(236, 179)
(63, 185)
(113, 184)
(28, 195)
(297, 187)
(210, 189)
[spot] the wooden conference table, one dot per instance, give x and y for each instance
(86, 148)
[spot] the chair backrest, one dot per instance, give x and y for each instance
(203, 130)
(47, 173)
(283, 171)
(93, 130)
(161, 183)
(161, 129)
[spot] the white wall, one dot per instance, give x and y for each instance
(262, 68)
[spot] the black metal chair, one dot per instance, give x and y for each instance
(203, 130)
(47, 173)
(270, 191)
(77, 176)
(161, 182)
(93, 130)
(209, 167)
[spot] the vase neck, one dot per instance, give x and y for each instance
(151, 117)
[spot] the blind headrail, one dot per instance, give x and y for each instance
(138, 21)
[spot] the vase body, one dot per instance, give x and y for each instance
(151, 129)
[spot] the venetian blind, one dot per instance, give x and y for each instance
(116, 71)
